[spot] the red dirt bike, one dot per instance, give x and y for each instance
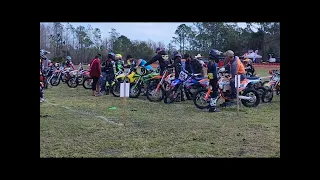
(87, 80)
(274, 83)
(76, 77)
(60, 74)
(247, 94)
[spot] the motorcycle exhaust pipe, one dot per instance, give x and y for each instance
(245, 97)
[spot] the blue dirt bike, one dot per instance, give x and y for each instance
(186, 83)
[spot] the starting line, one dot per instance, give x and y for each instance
(87, 113)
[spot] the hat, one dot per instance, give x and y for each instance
(198, 56)
(229, 53)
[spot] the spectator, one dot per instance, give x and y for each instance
(95, 73)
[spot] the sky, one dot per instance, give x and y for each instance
(141, 31)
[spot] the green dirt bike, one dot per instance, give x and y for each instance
(141, 80)
(135, 79)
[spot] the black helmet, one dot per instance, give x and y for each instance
(176, 54)
(111, 55)
(214, 54)
(129, 56)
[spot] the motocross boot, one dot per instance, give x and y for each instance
(107, 90)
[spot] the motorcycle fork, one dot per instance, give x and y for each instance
(208, 93)
(160, 83)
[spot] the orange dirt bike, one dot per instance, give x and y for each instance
(159, 85)
(247, 94)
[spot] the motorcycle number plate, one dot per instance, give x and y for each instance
(210, 76)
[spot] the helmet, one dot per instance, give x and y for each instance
(68, 58)
(214, 54)
(221, 70)
(111, 55)
(118, 56)
(159, 49)
(176, 54)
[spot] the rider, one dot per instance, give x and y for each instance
(177, 64)
(178, 67)
(107, 72)
(163, 59)
(142, 63)
(118, 64)
(248, 67)
(213, 77)
(236, 68)
(130, 61)
(192, 65)
(68, 63)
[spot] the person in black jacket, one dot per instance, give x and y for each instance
(192, 65)
(108, 72)
(177, 64)
(176, 56)
(163, 59)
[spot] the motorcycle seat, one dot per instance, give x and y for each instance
(253, 78)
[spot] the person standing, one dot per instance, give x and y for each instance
(95, 73)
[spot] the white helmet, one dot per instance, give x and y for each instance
(221, 70)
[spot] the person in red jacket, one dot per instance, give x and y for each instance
(95, 73)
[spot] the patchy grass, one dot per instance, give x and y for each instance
(70, 126)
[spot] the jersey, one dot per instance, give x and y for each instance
(143, 62)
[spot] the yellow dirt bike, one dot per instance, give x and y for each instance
(115, 87)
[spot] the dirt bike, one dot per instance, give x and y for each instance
(274, 83)
(265, 94)
(76, 77)
(140, 80)
(159, 85)
(185, 80)
(247, 94)
(87, 80)
(120, 77)
(60, 74)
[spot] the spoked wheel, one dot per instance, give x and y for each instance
(154, 96)
(72, 82)
(55, 81)
(87, 83)
(172, 95)
(135, 90)
(200, 101)
(267, 95)
(115, 89)
(255, 98)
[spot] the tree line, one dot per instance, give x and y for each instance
(83, 43)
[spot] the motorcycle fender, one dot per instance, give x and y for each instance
(121, 76)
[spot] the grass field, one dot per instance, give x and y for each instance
(75, 124)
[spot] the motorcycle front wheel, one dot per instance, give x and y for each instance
(55, 81)
(199, 99)
(152, 96)
(87, 83)
(73, 82)
(172, 95)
